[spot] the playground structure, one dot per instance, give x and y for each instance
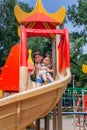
(75, 104)
(19, 110)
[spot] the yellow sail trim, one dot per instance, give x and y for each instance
(58, 16)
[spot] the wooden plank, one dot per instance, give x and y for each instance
(8, 110)
(30, 115)
(18, 115)
(36, 91)
(37, 100)
(12, 128)
(8, 122)
(32, 104)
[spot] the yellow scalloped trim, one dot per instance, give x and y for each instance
(84, 68)
(58, 16)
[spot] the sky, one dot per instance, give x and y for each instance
(51, 5)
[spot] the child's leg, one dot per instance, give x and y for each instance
(38, 84)
(50, 77)
(44, 78)
(38, 81)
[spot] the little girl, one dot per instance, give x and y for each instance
(37, 61)
(42, 70)
(46, 69)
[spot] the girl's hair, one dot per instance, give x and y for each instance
(36, 53)
(47, 55)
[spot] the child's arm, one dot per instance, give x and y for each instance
(47, 69)
(34, 71)
(51, 70)
(43, 68)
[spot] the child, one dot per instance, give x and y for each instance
(46, 69)
(37, 61)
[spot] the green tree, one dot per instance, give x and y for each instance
(8, 34)
(77, 15)
(8, 26)
(44, 45)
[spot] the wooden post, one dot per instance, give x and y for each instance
(18, 115)
(47, 122)
(59, 109)
(54, 119)
(54, 62)
(59, 116)
(23, 78)
(54, 75)
(38, 124)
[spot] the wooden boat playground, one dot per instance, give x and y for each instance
(29, 103)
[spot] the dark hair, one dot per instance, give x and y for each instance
(47, 55)
(36, 53)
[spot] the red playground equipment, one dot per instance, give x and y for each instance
(37, 23)
(24, 107)
(9, 77)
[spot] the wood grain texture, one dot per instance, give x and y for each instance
(19, 110)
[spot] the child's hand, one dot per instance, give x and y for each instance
(45, 68)
(50, 70)
(36, 70)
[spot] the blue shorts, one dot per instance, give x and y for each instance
(39, 80)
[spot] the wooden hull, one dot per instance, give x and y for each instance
(19, 110)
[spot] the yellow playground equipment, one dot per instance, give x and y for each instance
(84, 68)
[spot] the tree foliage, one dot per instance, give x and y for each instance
(8, 26)
(77, 15)
(44, 45)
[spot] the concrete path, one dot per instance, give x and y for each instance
(67, 124)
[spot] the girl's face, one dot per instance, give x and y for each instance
(38, 58)
(46, 61)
